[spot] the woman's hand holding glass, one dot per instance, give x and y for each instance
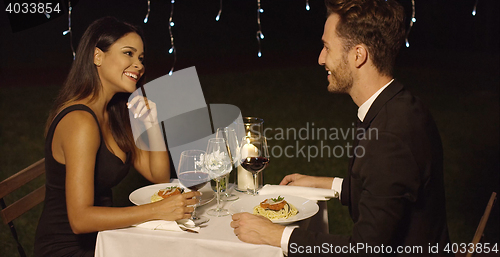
(193, 175)
(175, 207)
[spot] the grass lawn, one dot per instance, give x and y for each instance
(463, 100)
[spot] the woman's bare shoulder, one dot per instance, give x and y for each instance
(76, 132)
(78, 125)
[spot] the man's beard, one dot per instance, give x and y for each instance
(341, 80)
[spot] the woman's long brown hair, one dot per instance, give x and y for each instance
(83, 79)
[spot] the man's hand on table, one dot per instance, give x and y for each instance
(307, 181)
(256, 229)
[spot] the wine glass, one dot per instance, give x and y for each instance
(218, 164)
(229, 135)
(193, 175)
(254, 157)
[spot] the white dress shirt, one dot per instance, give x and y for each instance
(337, 182)
(363, 109)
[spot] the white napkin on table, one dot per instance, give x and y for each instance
(180, 225)
(318, 194)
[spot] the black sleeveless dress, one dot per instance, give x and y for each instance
(54, 236)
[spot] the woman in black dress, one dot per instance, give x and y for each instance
(89, 145)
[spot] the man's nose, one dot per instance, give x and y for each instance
(321, 58)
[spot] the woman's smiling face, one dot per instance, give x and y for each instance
(121, 66)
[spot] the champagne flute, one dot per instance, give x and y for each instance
(254, 157)
(229, 135)
(192, 174)
(218, 164)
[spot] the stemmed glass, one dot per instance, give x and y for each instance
(254, 157)
(231, 139)
(193, 175)
(218, 164)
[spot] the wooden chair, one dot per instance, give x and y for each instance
(482, 224)
(16, 209)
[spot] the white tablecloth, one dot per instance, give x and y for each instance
(216, 239)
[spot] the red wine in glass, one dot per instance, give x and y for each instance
(255, 164)
(194, 180)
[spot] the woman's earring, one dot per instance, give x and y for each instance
(98, 64)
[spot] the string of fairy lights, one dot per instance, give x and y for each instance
(412, 20)
(149, 10)
(259, 34)
(172, 49)
(70, 31)
(217, 18)
(171, 23)
(474, 9)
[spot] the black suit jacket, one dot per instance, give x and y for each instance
(394, 188)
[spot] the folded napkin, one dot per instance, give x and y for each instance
(318, 194)
(180, 225)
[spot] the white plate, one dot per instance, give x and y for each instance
(307, 208)
(143, 195)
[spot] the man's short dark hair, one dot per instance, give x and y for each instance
(378, 24)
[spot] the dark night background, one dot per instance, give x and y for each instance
(444, 29)
(452, 64)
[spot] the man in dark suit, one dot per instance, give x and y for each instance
(394, 188)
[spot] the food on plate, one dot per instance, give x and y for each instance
(164, 193)
(275, 208)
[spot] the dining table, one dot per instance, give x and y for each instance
(215, 238)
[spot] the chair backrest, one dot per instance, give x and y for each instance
(482, 224)
(16, 209)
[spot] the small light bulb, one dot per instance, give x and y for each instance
(474, 12)
(259, 54)
(146, 20)
(170, 73)
(173, 1)
(407, 43)
(172, 24)
(413, 19)
(261, 10)
(217, 18)
(307, 7)
(65, 32)
(47, 15)
(171, 50)
(261, 35)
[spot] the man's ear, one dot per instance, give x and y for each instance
(361, 55)
(98, 56)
